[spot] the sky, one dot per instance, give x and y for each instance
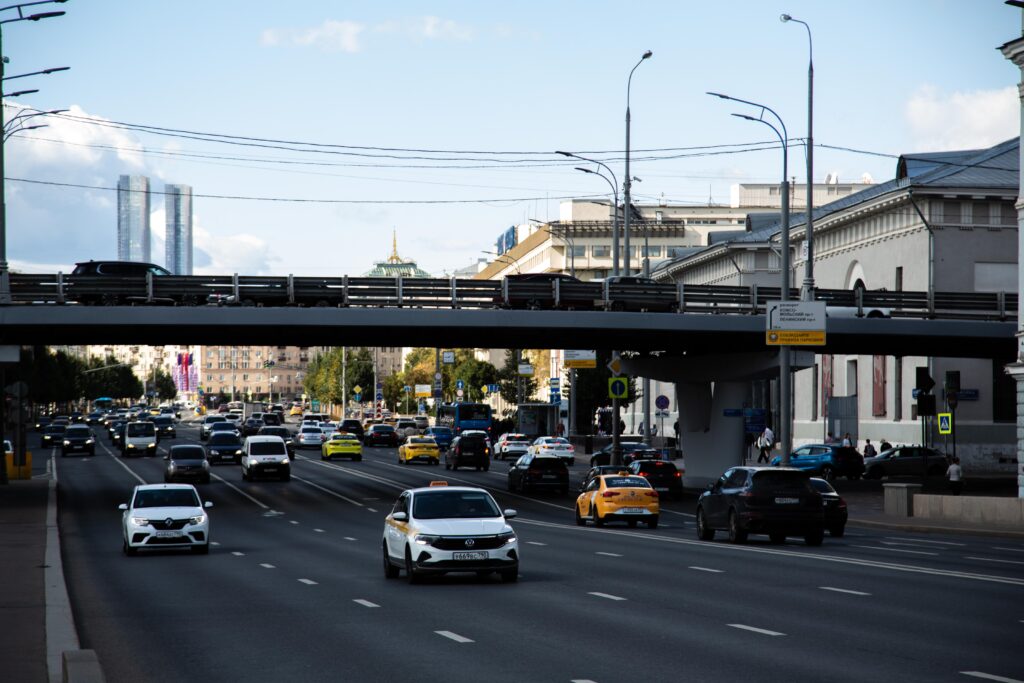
(311, 132)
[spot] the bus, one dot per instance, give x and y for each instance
(103, 403)
(462, 416)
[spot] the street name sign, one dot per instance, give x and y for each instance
(795, 323)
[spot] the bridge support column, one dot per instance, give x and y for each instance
(710, 442)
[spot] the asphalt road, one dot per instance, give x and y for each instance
(293, 589)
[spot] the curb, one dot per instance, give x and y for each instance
(923, 528)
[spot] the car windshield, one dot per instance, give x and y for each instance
(634, 446)
(516, 437)
(311, 430)
(822, 486)
(777, 479)
(659, 467)
(187, 453)
(556, 441)
(351, 424)
(141, 429)
(453, 505)
(223, 427)
(267, 448)
(215, 418)
(78, 431)
(162, 421)
(55, 429)
(421, 439)
(274, 431)
(626, 483)
(224, 439)
(382, 428)
(166, 498)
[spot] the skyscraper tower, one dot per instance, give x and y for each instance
(178, 237)
(133, 218)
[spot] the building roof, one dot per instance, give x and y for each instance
(395, 265)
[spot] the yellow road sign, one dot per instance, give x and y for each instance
(945, 423)
(484, 389)
(618, 387)
(794, 337)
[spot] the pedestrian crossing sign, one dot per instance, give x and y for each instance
(945, 423)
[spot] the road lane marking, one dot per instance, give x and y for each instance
(991, 677)
(454, 636)
(349, 538)
(762, 631)
(319, 531)
(805, 556)
(924, 540)
(328, 491)
(371, 509)
(293, 522)
(895, 550)
(582, 680)
(238, 490)
(267, 566)
(214, 543)
(910, 545)
(1012, 550)
(237, 554)
(535, 543)
(365, 603)
(842, 590)
(606, 596)
(308, 582)
(992, 559)
(608, 554)
(126, 468)
(708, 569)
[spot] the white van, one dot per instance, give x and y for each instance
(266, 455)
(139, 438)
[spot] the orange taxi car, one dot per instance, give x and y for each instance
(618, 497)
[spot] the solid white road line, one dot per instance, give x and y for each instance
(328, 491)
(214, 543)
(127, 469)
(991, 677)
(992, 559)
(371, 509)
(842, 590)
(708, 569)
(762, 631)
(365, 603)
(1012, 550)
(582, 680)
(924, 540)
(308, 582)
(535, 543)
(606, 596)
(608, 554)
(293, 522)
(454, 636)
(236, 553)
(894, 550)
(909, 545)
(267, 566)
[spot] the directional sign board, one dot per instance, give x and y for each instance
(795, 323)
(615, 365)
(945, 423)
(526, 370)
(448, 357)
(580, 359)
(422, 391)
(618, 387)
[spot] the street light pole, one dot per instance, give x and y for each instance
(627, 183)
(614, 185)
(5, 278)
(785, 379)
(807, 291)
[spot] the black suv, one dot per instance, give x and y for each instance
(778, 501)
(665, 477)
(112, 282)
(351, 427)
(469, 450)
(224, 447)
(78, 438)
(533, 472)
(381, 435)
(631, 451)
(118, 268)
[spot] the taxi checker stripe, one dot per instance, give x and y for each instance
(785, 553)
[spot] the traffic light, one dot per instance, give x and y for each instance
(952, 387)
(924, 381)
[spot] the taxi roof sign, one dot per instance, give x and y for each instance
(438, 483)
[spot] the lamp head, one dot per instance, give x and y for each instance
(647, 55)
(585, 170)
(718, 94)
(564, 154)
(784, 18)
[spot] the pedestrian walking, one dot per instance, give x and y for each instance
(830, 438)
(847, 441)
(765, 442)
(560, 430)
(884, 446)
(869, 450)
(955, 476)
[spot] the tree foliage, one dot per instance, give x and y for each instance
(508, 379)
(592, 391)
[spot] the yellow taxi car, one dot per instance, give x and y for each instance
(295, 410)
(419, 448)
(618, 497)
(342, 444)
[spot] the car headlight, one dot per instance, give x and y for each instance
(151, 445)
(198, 519)
(206, 465)
(285, 461)
(507, 537)
(238, 452)
(89, 442)
(140, 521)
(66, 442)
(131, 445)
(425, 539)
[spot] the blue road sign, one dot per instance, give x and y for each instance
(492, 388)
(618, 387)
(437, 393)
(380, 396)
(358, 397)
(407, 388)
(459, 384)
(380, 385)
(661, 403)
(754, 420)
(945, 423)
(732, 412)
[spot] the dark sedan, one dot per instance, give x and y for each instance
(78, 439)
(835, 507)
(53, 435)
(282, 432)
(164, 427)
(665, 477)
(443, 436)
(187, 463)
(532, 472)
(42, 422)
(631, 451)
(776, 501)
(224, 447)
(381, 435)
(252, 426)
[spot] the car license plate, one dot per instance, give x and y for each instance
(479, 555)
(632, 511)
(550, 476)
(169, 534)
(661, 488)
(787, 501)
(270, 469)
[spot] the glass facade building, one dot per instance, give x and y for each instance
(133, 218)
(178, 235)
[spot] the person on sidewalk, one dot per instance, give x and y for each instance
(829, 438)
(956, 477)
(869, 450)
(764, 444)
(884, 446)
(847, 441)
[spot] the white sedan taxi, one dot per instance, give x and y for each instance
(441, 528)
(165, 516)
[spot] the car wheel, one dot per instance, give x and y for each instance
(411, 575)
(245, 475)
(704, 532)
(564, 491)
(598, 519)
(286, 477)
(853, 477)
(509, 575)
(358, 458)
(478, 468)
(390, 570)
(579, 519)
(935, 470)
(435, 462)
(128, 550)
(206, 479)
(736, 534)
(827, 474)
(777, 538)
(837, 531)
(203, 549)
(652, 523)
(815, 537)
(447, 465)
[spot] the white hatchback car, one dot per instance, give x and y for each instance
(441, 528)
(165, 516)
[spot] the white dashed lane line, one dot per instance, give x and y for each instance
(236, 553)
(308, 582)
(365, 603)
(992, 559)
(214, 543)
(606, 596)
(535, 543)
(991, 677)
(293, 522)
(895, 550)
(608, 554)
(319, 531)
(582, 680)
(349, 538)
(1012, 550)
(842, 590)
(454, 636)
(754, 629)
(267, 566)
(708, 569)
(924, 540)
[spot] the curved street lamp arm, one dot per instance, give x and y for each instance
(629, 81)
(615, 186)
(763, 109)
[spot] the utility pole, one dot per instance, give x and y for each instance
(344, 382)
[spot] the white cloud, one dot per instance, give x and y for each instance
(941, 121)
(435, 28)
(330, 36)
(224, 254)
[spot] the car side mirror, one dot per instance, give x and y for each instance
(509, 513)
(400, 517)
(122, 506)
(208, 504)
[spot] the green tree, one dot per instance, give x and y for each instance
(323, 375)
(475, 373)
(508, 379)
(165, 388)
(592, 391)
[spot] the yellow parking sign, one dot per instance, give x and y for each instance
(945, 423)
